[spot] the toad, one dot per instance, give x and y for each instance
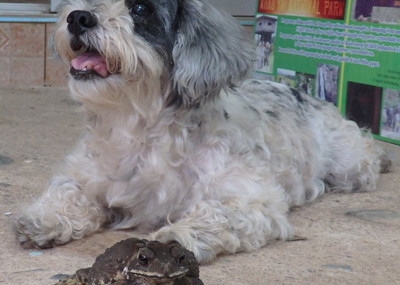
(140, 262)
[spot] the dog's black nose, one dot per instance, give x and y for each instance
(80, 21)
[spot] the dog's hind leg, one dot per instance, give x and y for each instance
(355, 160)
(212, 227)
(61, 214)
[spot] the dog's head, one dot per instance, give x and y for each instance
(189, 45)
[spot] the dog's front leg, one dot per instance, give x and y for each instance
(212, 227)
(60, 214)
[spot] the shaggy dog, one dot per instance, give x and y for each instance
(179, 144)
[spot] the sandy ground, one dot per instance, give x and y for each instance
(39, 126)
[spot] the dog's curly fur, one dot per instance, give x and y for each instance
(179, 143)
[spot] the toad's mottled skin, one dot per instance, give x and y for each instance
(140, 262)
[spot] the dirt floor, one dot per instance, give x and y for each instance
(349, 238)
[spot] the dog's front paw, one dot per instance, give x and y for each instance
(29, 235)
(201, 248)
(164, 235)
(23, 233)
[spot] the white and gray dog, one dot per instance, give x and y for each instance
(179, 144)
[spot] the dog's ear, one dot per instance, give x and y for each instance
(211, 51)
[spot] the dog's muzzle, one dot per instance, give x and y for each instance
(89, 63)
(80, 21)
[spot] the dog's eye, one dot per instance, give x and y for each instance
(141, 9)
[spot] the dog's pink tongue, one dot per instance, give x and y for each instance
(90, 60)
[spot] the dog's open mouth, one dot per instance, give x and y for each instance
(89, 65)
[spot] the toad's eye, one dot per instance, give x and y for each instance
(181, 258)
(141, 9)
(143, 259)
